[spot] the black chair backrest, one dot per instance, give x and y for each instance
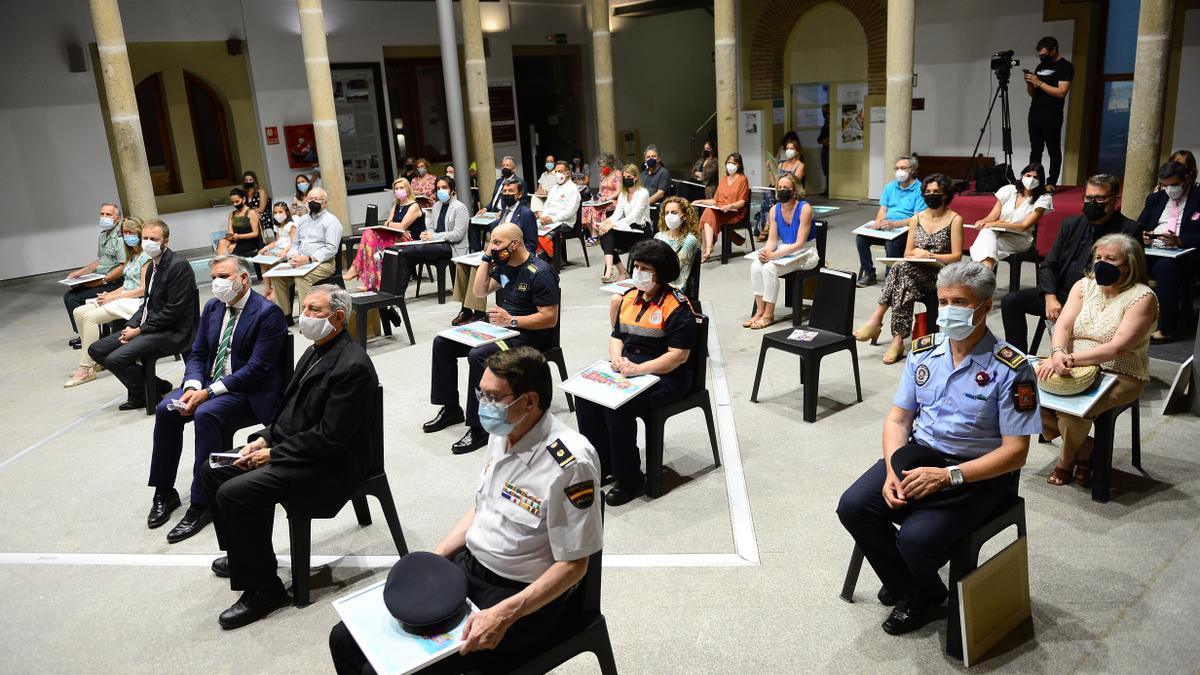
(692, 288)
(287, 359)
(698, 356)
(372, 217)
(389, 273)
(375, 413)
(584, 603)
(822, 227)
(833, 304)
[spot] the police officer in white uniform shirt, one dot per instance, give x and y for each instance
(524, 545)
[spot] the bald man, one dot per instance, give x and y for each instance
(528, 304)
(318, 238)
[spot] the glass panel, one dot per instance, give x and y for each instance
(1120, 44)
(1114, 127)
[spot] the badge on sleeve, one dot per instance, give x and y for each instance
(922, 374)
(522, 287)
(560, 453)
(1024, 396)
(581, 494)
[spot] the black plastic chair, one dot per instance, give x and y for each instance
(440, 266)
(832, 319)
(350, 242)
(587, 632)
(655, 420)
(579, 234)
(1102, 454)
(963, 561)
(286, 363)
(300, 514)
(150, 375)
(555, 355)
(384, 299)
(1017, 259)
(728, 229)
(692, 288)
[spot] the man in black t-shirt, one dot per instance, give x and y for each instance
(528, 304)
(1048, 86)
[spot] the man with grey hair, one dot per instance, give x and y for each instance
(232, 380)
(1068, 258)
(318, 240)
(316, 443)
(901, 200)
(953, 443)
(508, 171)
(109, 262)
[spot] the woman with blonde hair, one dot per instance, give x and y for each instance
(1106, 322)
(119, 303)
(679, 228)
(407, 223)
(791, 246)
(629, 223)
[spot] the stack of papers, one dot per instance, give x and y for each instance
(799, 335)
(600, 384)
(486, 218)
(478, 333)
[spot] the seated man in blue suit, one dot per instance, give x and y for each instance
(516, 212)
(232, 378)
(1171, 219)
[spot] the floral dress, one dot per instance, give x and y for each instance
(609, 185)
(367, 262)
(424, 185)
(908, 282)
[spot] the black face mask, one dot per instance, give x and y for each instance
(651, 163)
(314, 208)
(508, 200)
(1094, 211)
(1046, 60)
(935, 201)
(627, 182)
(500, 255)
(506, 172)
(248, 183)
(1106, 273)
(785, 196)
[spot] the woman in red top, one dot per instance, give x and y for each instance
(730, 204)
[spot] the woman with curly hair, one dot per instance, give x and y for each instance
(679, 228)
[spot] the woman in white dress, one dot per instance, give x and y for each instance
(1017, 211)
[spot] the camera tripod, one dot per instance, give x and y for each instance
(1002, 77)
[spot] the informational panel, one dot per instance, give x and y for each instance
(851, 127)
(750, 143)
(504, 113)
(358, 104)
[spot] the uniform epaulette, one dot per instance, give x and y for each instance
(531, 267)
(558, 450)
(924, 343)
(1010, 357)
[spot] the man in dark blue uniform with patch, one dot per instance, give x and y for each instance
(959, 432)
(528, 304)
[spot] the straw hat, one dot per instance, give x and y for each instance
(1079, 381)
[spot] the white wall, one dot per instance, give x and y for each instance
(1187, 131)
(954, 43)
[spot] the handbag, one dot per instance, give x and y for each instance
(1080, 380)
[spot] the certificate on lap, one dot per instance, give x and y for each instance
(886, 235)
(600, 384)
(470, 260)
(478, 333)
(923, 261)
(288, 270)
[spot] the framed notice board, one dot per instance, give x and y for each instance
(362, 127)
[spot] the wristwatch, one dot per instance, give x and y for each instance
(209, 392)
(486, 258)
(956, 476)
(512, 323)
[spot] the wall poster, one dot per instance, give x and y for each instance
(851, 126)
(301, 143)
(362, 130)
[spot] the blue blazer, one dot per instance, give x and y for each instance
(524, 218)
(257, 339)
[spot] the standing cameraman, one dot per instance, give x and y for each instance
(1048, 87)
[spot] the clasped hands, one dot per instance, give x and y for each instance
(626, 367)
(255, 454)
(917, 484)
(1060, 363)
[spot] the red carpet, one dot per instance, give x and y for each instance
(1068, 201)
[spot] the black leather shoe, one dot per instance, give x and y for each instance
(446, 417)
(886, 598)
(471, 441)
(608, 479)
(132, 404)
(625, 491)
(192, 522)
(909, 615)
(220, 567)
(252, 606)
(465, 316)
(161, 508)
(75, 343)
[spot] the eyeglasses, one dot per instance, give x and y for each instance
(484, 397)
(1096, 199)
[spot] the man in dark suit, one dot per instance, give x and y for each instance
(1068, 259)
(232, 380)
(164, 324)
(316, 444)
(1171, 219)
(508, 170)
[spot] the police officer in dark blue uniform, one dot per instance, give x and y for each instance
(967, 405)
(528, 304)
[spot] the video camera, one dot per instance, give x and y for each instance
(1002, 64)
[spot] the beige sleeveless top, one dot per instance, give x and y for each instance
(1098, 321)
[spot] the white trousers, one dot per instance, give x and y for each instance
(764, 277)
(999, 245)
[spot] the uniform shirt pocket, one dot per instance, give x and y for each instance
(520, 517)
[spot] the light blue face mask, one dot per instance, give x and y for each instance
(132, 239)
(443, 195)
(493, 417)
(957, 322)
(549, 166)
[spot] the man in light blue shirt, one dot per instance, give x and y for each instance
(318, 239)
(901, 200)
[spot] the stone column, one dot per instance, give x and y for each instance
(122, 110)
(320, 95)
(606, 112)
(725, 46)
(900, 22)
(1146, 109)
(477, 99)
(453, 85)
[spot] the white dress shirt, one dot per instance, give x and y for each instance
(633, 210)
(562, 204)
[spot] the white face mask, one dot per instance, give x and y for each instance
(643, 280)
(674, 220)
(152, 248)
(901, 175)
(560, 177)
(731, 168)
(280, 217)
(1174, 192)
(790, 153)
(315, 327)
(1030, 182)
(227, 290)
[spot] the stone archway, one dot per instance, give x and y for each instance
(775, 24)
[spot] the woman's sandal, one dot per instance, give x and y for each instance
(1059, 476)
(762, 322)
(893, 354)
(749, 322)
(868, 331)
(1083, 472)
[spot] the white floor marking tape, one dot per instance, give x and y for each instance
(742, 523)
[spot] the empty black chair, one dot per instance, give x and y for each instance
(697, 397)
(832, 318)
(587, 631)
(963, 561)
(301, 513)
(554, 354)
(149, 376)
(286, 363)
(384, 299)
(728, 229)
(1102, 455)
(440, 265)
